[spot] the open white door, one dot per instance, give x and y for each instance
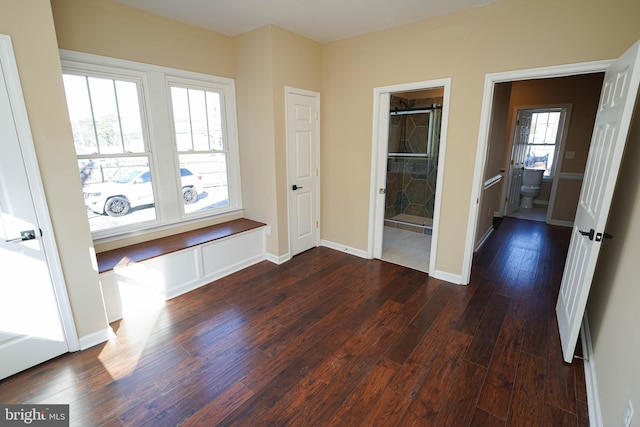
(302, 168)
(617, 100)
(518, 154)
(31, 328)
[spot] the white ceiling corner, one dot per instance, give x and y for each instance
(320, 20)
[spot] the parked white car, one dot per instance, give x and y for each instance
(115, 198)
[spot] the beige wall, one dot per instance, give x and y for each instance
(267, 60)
(103, 27)
(465, 46)
(254, 94)
(297, 62)
(30, 25)
(612, 307)
(490, 198)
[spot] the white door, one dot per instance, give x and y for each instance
(302, 168)
(619, 91)
(518, 154)
(30, 324)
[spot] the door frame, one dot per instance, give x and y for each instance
(288, 90)
(483, 134)
(49, 246)
(379, 150)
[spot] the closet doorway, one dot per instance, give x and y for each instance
(407, 165)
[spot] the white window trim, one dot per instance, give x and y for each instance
(158, 128)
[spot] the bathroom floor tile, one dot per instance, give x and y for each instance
(406, 248)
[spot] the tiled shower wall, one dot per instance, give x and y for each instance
(411, 182)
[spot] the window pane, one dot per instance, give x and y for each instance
(544, 128)
(199, 127)
(129, 108)
(540, 157)
(105, 113)
(204, 181)
(117, 191)
(215, 121)
(181, 118)
(84, 135)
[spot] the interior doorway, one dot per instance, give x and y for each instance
(407, 162)
(491, 170)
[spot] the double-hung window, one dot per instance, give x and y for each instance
(543, 139)
(156, 146)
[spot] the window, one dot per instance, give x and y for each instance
(543, 138)
(200, 144)
(155, 146)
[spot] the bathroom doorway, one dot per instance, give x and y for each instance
(537, 150)
(412, 166)
(408, 154)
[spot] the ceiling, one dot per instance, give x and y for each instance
(320, 20)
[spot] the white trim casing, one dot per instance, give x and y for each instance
(50, 248)
(380, 141)
(483, 135)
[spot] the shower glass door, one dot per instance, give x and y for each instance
(412, 163)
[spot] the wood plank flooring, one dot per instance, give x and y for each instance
(331, 339)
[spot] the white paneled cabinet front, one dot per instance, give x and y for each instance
(147, 284)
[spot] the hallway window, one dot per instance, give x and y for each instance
(543, 141)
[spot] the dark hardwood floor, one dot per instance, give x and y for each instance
(331, 339)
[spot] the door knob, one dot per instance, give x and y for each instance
(24, 236)
(589, 233)
(295, 187)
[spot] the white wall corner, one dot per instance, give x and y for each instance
(96, 338)
(447, 277)
(278, 259)
(593, 398)
(343, 248)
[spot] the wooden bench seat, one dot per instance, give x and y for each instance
(136, 277)
(120, 257)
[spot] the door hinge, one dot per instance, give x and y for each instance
(317, 224)
(317, 115)
(506, 199)
(316, 171)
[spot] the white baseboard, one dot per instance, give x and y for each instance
(344, 248)
(96, 338)
(541, 202)
(593, 399)
(447, 277)
(561, 223)
(483, 239)
(278, 259)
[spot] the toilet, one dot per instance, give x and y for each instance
(531, 179)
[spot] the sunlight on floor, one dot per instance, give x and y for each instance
(406, 248)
